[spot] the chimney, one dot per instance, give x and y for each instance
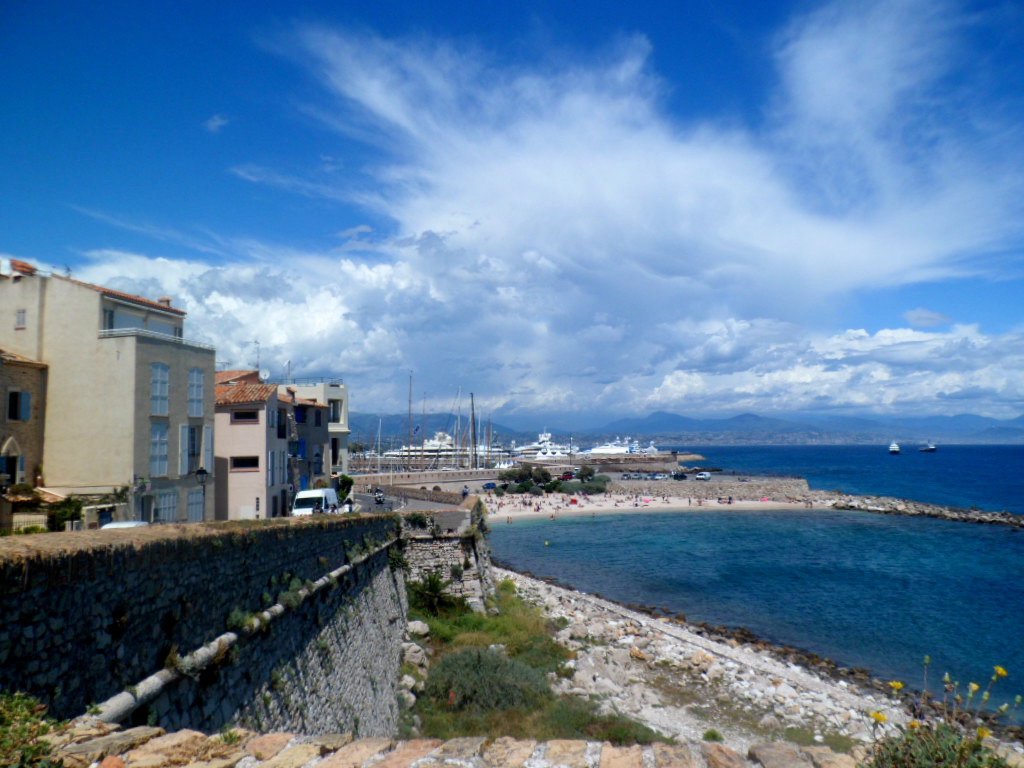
(165, 301)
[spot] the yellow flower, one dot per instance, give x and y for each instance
(914, 725)
(984, 733)
(927, 660)
(973, 688)
(1001, 671)
(879, 717)
(896, 686)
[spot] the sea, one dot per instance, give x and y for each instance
(872, 591)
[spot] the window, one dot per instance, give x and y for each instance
(195, 392)
(335, 406)
(318, 417)
(159, 389)
(195, 506)
(300, 414)
(245, 417)
(282, 424)
(166, 508)
(108, 319)
(20, 319)
(188, 449)
(245, 463)
(158, 449)
(271, 468)
(272, 415)
(19, 405)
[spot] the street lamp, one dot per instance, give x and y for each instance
(201, 475)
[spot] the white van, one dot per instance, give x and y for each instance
(702, 476)
(318, 498)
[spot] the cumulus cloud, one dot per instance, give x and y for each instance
(561, 241)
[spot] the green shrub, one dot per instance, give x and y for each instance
(485, 680)
(712, 735)
(23, 724)
(940, 746)
(416, 520)
(456, 571)
(429, 595)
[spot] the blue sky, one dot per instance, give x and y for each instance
(699, 207)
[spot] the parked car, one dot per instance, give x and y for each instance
(567, 476)
(125, 524)
(678, 475)
(627, 476)
(702, 476)
(490, 486)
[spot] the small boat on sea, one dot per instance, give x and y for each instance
(894, 448)
(928, 447)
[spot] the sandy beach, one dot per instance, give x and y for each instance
(511, 508)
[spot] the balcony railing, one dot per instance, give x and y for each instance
(118, 332)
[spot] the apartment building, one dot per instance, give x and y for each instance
(22, 411)
(254, 429)
(311, 445)
(333, 394)
(129, 400)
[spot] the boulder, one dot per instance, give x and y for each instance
(418, 629)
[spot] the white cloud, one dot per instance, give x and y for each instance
(563, 242)
(920, 317)
(215, 123)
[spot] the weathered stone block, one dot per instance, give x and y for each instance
(506, 752)
(570, 753)
(720, 756)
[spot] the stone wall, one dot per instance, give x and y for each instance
(462, 558)
(87, 616)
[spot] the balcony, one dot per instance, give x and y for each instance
(119, 332)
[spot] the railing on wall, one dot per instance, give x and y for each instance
(119, 332)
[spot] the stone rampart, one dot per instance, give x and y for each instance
(301, 620)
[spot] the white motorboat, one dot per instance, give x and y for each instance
(894, 448)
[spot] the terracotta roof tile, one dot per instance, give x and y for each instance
(223, 377)
(239, 394)
(126, 296)
(11, 357)
(30, 269)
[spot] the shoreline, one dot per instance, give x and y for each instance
(741, 653)
(626, 501)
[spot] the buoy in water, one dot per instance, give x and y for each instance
(547, 544)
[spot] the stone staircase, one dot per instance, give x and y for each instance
(90, 742)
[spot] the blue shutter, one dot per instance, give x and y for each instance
(26, 406)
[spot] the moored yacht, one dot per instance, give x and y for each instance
(928, 447)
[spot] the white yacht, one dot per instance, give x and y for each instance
(894, 447)
(544, 448)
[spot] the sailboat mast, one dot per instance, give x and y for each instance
(408, 452)
(472, 416)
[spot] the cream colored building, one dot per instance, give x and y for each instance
(129, 401)
(333, 394)
(253, 429)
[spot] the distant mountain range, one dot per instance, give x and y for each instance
(673, 429)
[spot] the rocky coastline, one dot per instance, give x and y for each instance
(681, 678)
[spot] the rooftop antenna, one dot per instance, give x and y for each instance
(257, 343)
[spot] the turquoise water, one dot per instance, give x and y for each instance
(864, 590)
